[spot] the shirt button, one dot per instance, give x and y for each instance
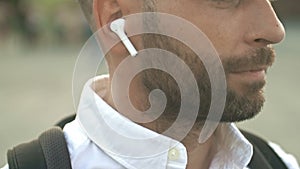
(173, 154)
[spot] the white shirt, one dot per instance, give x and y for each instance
(101, 138)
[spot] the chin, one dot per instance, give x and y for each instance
(243, 107)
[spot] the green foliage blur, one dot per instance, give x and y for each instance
(36, 22)
(57, 22)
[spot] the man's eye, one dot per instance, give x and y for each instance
(223, 4)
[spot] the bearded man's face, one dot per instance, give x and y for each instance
(245, 53)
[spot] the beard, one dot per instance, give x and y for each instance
(239, 106)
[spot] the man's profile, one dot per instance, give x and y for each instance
(107, 133)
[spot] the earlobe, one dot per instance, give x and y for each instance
(105, 11)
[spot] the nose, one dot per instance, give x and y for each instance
(264, 26)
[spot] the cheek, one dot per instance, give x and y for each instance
(222, 27)
(226, 40)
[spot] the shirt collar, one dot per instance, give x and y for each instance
(234, 149)
(137, 147)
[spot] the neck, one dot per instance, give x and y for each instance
(199, 155)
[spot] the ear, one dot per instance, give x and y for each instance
(105, 11)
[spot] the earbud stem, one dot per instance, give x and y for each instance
(117, 26)
(129, 47)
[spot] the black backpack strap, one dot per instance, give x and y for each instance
(65, 120)
(21, 157)
(55, 149)
(264, 156)
(49, 151)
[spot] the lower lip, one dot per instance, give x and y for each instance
(250, 75)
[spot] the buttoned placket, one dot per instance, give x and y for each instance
(177, 157)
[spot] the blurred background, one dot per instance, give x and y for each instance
(41, 39)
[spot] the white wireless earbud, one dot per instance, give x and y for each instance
(117, 26)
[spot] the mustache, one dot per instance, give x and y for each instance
(257, 59)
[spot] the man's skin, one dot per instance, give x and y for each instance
(235, 27)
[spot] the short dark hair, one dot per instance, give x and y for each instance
(87, 8)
